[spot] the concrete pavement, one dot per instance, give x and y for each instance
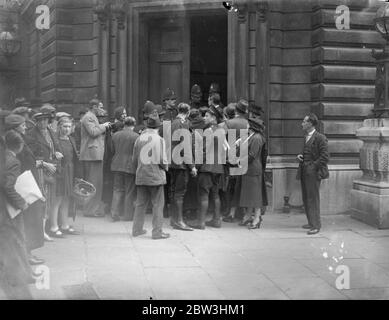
(278, 261)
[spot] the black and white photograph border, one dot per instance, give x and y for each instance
(84, 217)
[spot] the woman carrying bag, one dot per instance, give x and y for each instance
(250, 190)
(64, 206)
(44, 145)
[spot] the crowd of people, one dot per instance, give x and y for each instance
(110, 155)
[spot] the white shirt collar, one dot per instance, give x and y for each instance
(311, 133)
(181, 116)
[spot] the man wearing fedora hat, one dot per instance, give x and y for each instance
(148, 108)
(150, 160)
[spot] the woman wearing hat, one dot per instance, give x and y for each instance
(44, 145)
(32, 216)
(65, 180)
(250, 192)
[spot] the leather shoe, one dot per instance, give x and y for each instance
(136, 234)
(230, 219)
(115, 218)
(35, 261)
(36, 274)
(313, 231)
(181, 226)
(162, 235)
(306, 226)
(94, 215)
(198, 226)
(214, 223)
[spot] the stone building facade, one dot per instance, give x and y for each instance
(289, 57)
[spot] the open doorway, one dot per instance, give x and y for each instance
(183, 50)
(208, 53)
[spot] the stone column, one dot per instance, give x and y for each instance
(262, 61)
(242, 79)
(370, 193)
(122, 61)
(102, 11)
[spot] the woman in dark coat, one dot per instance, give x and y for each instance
(15, 271)
(250, 192)
(44, 145)
(64, 205)
(33, 215)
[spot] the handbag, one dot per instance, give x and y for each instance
(48, 177)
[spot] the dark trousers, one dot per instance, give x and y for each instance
(167, 195)
(93, 171)
(209, 185)
(124, 195)
(191, 197)
(178, 183)
(310, 188)
(145, 194)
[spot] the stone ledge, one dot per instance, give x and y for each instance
(370, 208)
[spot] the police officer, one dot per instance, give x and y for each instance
(169, 105)
(148, 109)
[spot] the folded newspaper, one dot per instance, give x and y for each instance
(28, 189)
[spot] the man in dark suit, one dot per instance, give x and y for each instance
(179, 172)
(124, 189)
(312, 169)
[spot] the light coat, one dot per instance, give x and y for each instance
(150, 146)
(92, 138)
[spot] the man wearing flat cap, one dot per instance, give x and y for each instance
(23, 108)
(15, 122)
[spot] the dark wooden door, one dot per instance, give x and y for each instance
(169, 58)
